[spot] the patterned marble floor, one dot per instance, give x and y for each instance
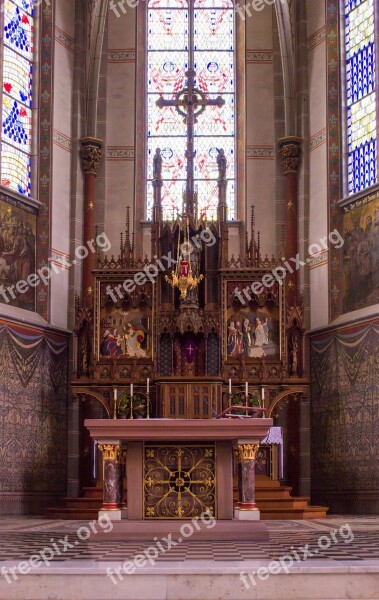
(354, 539)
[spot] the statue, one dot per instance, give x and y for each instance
(157, 164)
(221, 163)
(294, 354)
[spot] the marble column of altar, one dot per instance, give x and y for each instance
(113, 481)
(246, 509)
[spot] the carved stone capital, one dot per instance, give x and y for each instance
(111, 452)
(290, 150)
(247, 451)
(90, 155)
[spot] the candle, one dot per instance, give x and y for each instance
(148, 385)
(115, 394)
(230, 386)
(246, 388)
(263, 393)
(131, 389)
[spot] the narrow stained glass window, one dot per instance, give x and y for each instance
(360, 94)
(172, 27)
(16, 95)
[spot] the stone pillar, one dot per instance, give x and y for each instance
(246, 509)
(113, 481)
(290, 148)
(90, 157)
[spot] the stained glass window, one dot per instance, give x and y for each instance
(171, 25)
(16, 94)
(361, 94)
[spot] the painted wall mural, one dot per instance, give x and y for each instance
(361, 253)
(17, 250)
(33, 418)
(344, 418)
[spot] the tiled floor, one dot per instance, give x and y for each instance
(354, 539)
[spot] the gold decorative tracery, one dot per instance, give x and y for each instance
(179, 481)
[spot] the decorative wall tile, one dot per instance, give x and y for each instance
(259, 57)
(120, 153)
(334, 150)
(64, 39)
(316, 39)
(260, 152)
(45, 148)
(61, 140)
(127, 55)
(317, 139)
(318, 260)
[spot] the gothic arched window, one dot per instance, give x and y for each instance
(182, 34)
(361, 101)
(17, 54)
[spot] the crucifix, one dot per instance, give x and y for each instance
(190, 350)
(190, 102)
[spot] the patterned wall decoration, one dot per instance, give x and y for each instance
(33, 417)
(334, 150)
(45, 147)
(345, 418)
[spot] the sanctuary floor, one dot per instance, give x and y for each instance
(327, 559)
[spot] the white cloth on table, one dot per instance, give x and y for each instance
(275, 436)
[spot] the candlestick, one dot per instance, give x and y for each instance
(115, 403)
(148, 385)
(131, 401)
(230, 386)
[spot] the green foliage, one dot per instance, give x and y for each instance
(124, 405)
(240, 400)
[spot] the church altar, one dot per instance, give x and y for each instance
(178, 470)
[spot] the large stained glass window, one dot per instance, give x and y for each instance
(361, 94)
(17, 46)
(181, 32)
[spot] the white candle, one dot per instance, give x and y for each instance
(148, 385)
(263, 393)
(115, 394)
(230, 386)
(131, 389)
(246, 388)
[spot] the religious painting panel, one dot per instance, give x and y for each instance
(124, 321)
(361, 253)
(17, 251)
(252, 322)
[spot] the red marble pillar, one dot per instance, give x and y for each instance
(246, 508)
(113, 477)
(290, 148)
(90, 158)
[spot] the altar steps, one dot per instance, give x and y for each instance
(273, 500)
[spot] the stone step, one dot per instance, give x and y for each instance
(282, 503)
(309, 512)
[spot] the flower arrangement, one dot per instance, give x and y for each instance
(240, 400)
(124, 406)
